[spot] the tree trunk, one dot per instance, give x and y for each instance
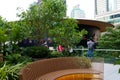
(1, 57)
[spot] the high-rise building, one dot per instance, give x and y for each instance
(77, 13)
(108, 11)
(39, 0)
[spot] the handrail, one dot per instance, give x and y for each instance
(96, 49)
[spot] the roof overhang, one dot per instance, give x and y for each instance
(99, 24)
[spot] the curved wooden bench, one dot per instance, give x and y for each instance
(57, 74)
(38, 69)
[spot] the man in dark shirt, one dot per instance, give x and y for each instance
(83, 42)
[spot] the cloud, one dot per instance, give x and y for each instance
(8, 8)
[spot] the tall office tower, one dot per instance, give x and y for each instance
(100, 7)
(77, 13)
(108, 11)
(39, 1)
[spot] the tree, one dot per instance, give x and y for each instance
(110, 39)
(41, 17)
(47, 19)
(3, 33)
(16, 33)
(66, 33)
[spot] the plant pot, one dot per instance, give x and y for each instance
(1, 57)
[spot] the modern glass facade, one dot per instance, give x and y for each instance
(112, 5)
(77, 13)
(108, 11)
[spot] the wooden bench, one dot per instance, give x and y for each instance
(50, 69)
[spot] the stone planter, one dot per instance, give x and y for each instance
(1, 57)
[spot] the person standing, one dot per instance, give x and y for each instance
(90, 44)
(60, 48)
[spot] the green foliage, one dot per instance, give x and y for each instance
(83, 62)
(41, 17)
(9, 72)
(11, 33)
(3, 35)
(37, 52)
(3, 38)
(119, 71)
(110, 40)
(117, 62)
(47, 20)
(56, 54)
(66, 33)
(16, 58)
(52, 11)
(67, 53)
(17, 31)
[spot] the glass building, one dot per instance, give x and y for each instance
(77, 13)
(108, 11)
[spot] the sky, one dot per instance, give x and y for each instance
(8, 8)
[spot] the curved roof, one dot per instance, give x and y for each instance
(99, 24)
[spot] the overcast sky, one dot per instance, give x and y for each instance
(8, 7)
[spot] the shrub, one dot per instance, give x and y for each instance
(83, 62)
(10, 72)
(37, 52)
(56, 54)
(16, 58)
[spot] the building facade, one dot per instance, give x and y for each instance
(77, 13)
(39, 0)
(108, 11)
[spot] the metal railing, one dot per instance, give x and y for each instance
(84, 49)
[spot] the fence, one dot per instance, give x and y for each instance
(109, 55)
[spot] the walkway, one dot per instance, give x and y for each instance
(111, 72)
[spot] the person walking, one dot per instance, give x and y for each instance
(90, 44)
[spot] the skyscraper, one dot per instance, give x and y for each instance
(108, 11)
(77, 13)
(39, 0)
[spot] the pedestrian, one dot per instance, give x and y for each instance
(60, 48)
(90, 44)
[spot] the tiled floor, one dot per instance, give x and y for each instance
(111, 72)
